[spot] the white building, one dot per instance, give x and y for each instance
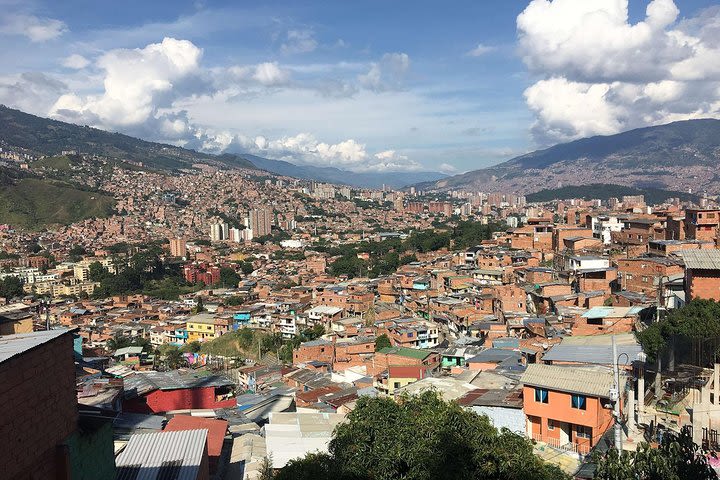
(603, 226)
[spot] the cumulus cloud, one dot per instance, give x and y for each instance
(75, 61)
(480, 50)
(149, 92)
(35, 28)
(387, 74)
(299, 41)
(603, 74)
(31, 91)
(138, 83)
(304, 148)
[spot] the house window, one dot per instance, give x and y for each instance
(541, 395)
(551, 424)
(578, 401)
(396, 385)
(582, 431)
(644, 279)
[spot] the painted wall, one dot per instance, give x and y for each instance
(501, 417)
(166, 400)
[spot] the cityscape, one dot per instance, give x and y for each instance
(256, 242)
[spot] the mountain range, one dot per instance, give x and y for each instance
(679, 156)
(44, 136)
(335, 175)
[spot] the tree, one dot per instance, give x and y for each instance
(421, 438)
(11, 287)
(383, 341)
(199, 306)
(117, 342)
(349, 265)
(33, 248)
(191, 347)
(247, 268)
(173, 356)
(77, 250)
(96, 272)
(677, 458)
(228, 277)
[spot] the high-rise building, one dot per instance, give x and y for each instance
(178, 247)
(260, 221)
(218, 232)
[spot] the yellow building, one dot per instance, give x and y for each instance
(201, 327)
(16, 318)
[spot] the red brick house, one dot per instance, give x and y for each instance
(157, 392)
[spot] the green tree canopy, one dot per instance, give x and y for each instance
(698, 319)
(383, 341)
(11, 287)
(421, 438)
(677, 458)
(228, 277)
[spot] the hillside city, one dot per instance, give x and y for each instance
(360, 240)
(265, 309)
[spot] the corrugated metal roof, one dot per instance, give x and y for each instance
(593, 381)
(143, 382)
(612, 312)
(14, 345)
(592, 354)
(154, 456)
(701, 259)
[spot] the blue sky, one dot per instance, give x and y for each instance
(367, 86)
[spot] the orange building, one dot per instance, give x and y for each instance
(568, 406)
(702, 274)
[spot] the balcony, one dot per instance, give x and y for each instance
(566, 447)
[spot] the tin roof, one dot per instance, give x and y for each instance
(160, 455)
(144, 382)
(701, 259)
(15, 345)
(594, 381)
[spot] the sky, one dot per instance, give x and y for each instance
(367, 86)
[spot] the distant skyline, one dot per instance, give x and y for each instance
(365, 86)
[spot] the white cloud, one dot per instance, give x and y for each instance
(35, 28)
(603, 74)
(31, 91)
(75, 61)
(480, 50)
(447, 168)
(137, 84)
(299, 41)
(270, 74)
(387, 74)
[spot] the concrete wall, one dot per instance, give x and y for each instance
(501, 417)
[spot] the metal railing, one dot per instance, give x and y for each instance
(580, 449)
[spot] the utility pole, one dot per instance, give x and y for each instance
(617, 397)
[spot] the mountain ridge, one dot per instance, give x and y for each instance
(339, 176)
(676, 156)
(49, 137)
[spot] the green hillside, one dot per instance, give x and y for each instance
(604, 191)
(50, 137)
(34, 203)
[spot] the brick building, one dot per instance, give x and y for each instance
(642, 274)
(39, 414)
(701, 224)
(702, 274)
(157, 392)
